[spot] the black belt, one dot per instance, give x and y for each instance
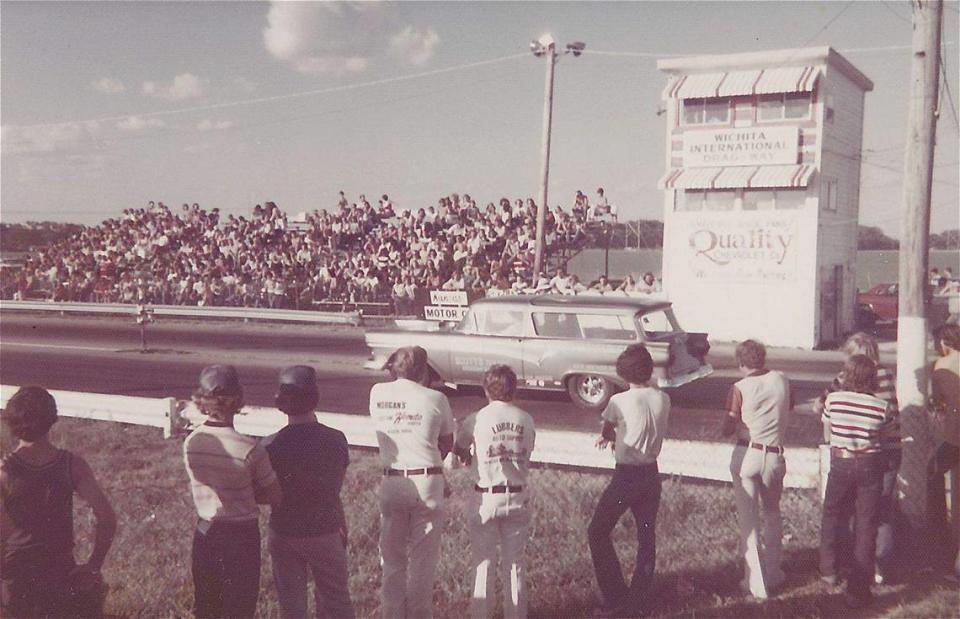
(771, 448)
(499, 489)
(432, 470)
(840, 452)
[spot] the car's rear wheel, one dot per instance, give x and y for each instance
(589, 390)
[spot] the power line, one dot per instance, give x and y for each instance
(283, 97)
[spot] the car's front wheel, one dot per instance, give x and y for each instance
(589, 390)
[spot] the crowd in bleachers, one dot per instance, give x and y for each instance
(356, 252)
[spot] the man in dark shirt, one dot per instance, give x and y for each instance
(308, 529)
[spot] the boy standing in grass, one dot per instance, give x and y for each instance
(503, 437)
(230, 474)
(307, 530)
(854, 420)
(634, 422)
(757, 409)
(37, 483)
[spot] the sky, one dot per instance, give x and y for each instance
(106, 105)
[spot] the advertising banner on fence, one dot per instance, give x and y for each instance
(735, 147)
(750, 247)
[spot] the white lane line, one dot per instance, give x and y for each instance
(59, 346)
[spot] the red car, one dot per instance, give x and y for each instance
(878, 303)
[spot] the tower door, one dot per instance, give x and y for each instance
(831, 296)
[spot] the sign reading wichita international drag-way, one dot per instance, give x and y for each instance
(748, 247)
(736, 147)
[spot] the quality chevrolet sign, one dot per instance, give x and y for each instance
(735, 147)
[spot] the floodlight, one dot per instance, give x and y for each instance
(546, 40)
(537, 49)
(576, 48)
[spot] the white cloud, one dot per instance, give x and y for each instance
(208, 125)
(108, 85)
(184, 86)
(414, 45)
(136, 124)
(49, 139)
(335, 37)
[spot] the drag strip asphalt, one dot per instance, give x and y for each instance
(102, 355)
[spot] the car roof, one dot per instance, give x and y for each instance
(561, 301)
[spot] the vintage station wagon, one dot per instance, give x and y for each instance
(554, 343)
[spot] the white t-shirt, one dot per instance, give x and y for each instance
(640, 415)
(504, 436)
(409, 418)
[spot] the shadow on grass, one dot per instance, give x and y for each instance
(714, 592)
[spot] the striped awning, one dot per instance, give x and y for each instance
(734, 177)
(741, 83)
(738, 83)
(738, 177)
(696, 86)
(782, 176)
(787, 79)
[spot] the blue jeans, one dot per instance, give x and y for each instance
(636, 488)
(854, 487)
(294, 558)
(226, 569)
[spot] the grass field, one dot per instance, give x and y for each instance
(149, 567)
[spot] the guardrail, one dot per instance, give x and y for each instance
(696, 459)
(188, 311)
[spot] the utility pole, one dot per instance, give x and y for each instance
(548, 48)
(912, 373)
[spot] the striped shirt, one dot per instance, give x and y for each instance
(886, 390)
(856, 420)
(226, 468)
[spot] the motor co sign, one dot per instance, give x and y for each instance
(733, 147)
(753, 248)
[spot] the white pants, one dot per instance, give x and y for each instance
(411, 517)
(498, 520)
(758, 480)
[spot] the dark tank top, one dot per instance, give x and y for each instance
(39, 503)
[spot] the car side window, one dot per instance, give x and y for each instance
(499, 322)
(557, 324)
(658, 324)
(607, 327)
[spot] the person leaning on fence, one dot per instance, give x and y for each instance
(854, 420)
(498, 513)
(38, 573)
(414, 426)
(308, 531)
(634, 423)
(945, 406)
(757, 409)
(865, 344)
(230, 474)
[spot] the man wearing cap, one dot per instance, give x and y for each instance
(502, 436)
(229, 475)
(307, 530)
(414, 428)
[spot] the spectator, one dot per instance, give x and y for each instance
(634, 424)
(37, 484)
(602, 285)
(308, 530)
(757, 409)
(945, 405)
(866, 344)
(229, 475)
(648, 284)
(854, 420)
(502, 437)
(415, 428)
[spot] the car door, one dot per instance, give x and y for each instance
(489, 335)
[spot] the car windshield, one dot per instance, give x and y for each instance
(658, 324)
(492, 321)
